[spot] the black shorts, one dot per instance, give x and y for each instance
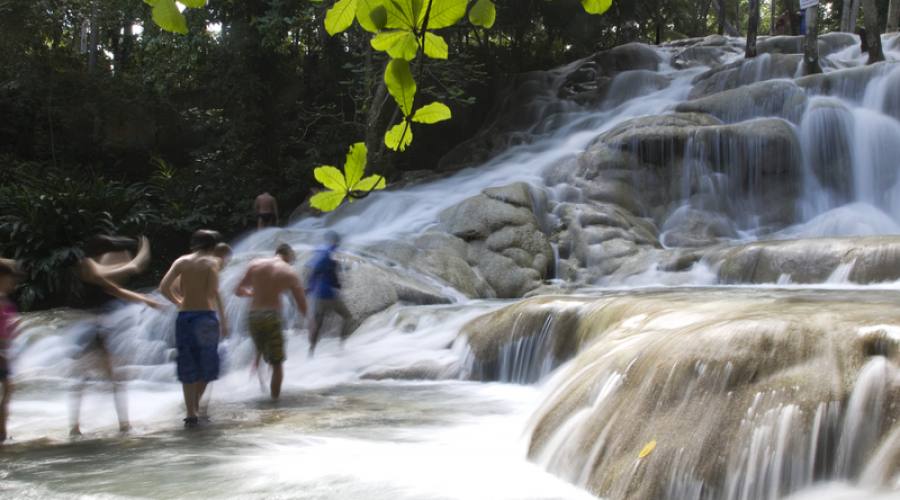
(267, 219)
(4, 369)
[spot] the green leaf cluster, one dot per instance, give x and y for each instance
(347, 184)
(167, 16)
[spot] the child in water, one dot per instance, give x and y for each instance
(9, 275)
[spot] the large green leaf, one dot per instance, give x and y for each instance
(399, 136)
(327, 201)
(371, 15)
(400, 84)
(596, 6)
(432, 113)
(445, 13)
(165, 14)
(340, 16)
(399, 44)
(370, 183)
(403, 14)
(483, 14)
(435, 46)
(193, 4)
(355, 165)
(330, 177)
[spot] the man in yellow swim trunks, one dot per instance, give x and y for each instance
(264, 282)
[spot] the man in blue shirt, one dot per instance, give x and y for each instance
(324, 287)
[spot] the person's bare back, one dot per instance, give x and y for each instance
(199, 282)
(266, 279)
(265, 204)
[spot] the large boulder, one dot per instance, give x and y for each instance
(506, 243)
(864, 260)
(657, 139)
(745, 72)
(689, 227)
(781, 98)
(846, 83)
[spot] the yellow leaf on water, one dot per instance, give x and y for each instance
(648, 449)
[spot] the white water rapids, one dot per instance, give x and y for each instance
(348, 428)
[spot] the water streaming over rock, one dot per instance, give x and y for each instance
(637, 168)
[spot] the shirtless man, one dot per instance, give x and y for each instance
(266, 279)
(197, 329)
(266, 208)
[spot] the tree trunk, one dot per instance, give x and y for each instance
(845, 15)
(792, 16)
(873, 33)
(720, 14)
(94, 39)
(811, 42)
(854, 13)
(752, 28)
(893, 17)
(772, 17)
(737, 16)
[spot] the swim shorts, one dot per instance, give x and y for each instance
(265, 328)
(5, 372)
(197, 341)
(268, 219)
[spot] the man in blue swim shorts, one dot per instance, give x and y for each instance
(198, 327)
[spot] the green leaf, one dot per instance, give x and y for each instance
(327, 201)
(192, 4)
(399, 44)
(166, 16)
(330, 177)
(403, 14)
(370, 183)
(445, 13)
(432, 113)
(355, 165)
(399, 136)
(435, 46)
(400, 84)
(371, 15)
(340, 16)
(596, 6)
(483, 14)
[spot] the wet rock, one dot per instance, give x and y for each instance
(847, 83)
(631, 84)
(424, 370)
(745, 72)
(865, 260)
(779, 98)
(657, 139)
(631, 56)
(689, 227)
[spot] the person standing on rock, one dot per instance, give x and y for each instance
(9, 275)
(266, 208)
(264, 282)
(197, 329)
(325, 288)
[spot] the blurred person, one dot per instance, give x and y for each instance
(266, 208)
(9, 277)
(325, 288)
(101, 287)
(264, 282)
(198, 328)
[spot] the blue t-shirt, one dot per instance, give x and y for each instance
(323, 281)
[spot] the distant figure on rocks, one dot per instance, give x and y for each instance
(264, 282)
(325, 288)
(9, 276)
(102, 285)
(266, 208)
(197, 328)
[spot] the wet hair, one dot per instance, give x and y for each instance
(10, 268)
(100, 244)
(332, 238)
(205, 240)
(285, 251)
(223, 250)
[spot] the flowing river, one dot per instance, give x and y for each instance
(729, 329)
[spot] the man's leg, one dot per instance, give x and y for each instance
(119, 395)
(201, 388)
(4, 406)
(346, 318)
(75, 408)
(277, 378)
(318, 317)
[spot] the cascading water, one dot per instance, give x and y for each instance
(748, 392)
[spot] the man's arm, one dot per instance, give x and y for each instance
(297, 292)
(220, 307)
(245, 287)
(118, 273)
(275, 207)
(166, 285)
(90, 274)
